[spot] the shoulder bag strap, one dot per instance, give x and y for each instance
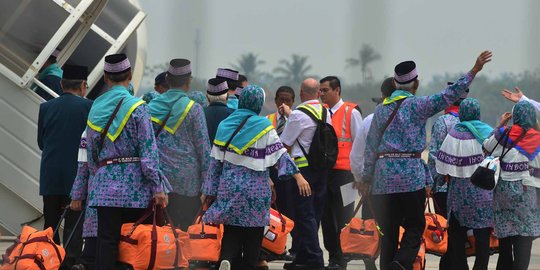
(513, 144)
(314, 118)
(106, 129)
(162, 125)
(235, 132)
(393, 115)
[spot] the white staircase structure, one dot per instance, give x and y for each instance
(30, 30)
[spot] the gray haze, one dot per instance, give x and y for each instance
(441, 36)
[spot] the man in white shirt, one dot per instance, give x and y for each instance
(300, 128)
(346, 119)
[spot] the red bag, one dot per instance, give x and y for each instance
(275, 237)
(361, 238)
(204, 241)
(33, 250)
(470, 245)
(436, 231)
(151, 246)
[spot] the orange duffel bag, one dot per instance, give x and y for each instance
(150, 246)
(34, 250)
(204, 241)
(470, 245)
(360, 238)
(275, 237)
(436, 231)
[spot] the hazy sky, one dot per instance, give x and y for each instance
(441, 36)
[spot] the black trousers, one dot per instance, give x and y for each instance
(367, 213)
(285, 200)
(241, 246)
(336, 215)
(53, 207)
(183, 209)
(514, 253)
(110, 220)
(456, 257)
(440, 198)
(395, 210)
(308, 213)
(88, 256)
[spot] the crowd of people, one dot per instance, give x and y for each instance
(187, 151)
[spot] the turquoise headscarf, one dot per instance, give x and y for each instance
(51, 70)
(103, 107)
(469, 115)
(250, 105)
(524, 115)
(175, 102)
(198, 97)
(232, 102)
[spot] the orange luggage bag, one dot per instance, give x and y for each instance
(360, 238)
(34, 250)
(275, 237)
(151, 246)
(436, 231)
(204, 241)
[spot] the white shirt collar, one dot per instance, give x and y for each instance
(337, 106)
(310, 101)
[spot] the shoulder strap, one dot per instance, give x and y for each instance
(393, 115)
(512, 145)
(106, 130)
(310, 114)
(236, 132)
(162, 125)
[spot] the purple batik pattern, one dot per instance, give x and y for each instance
(440, 129)
(184, 156)
(79, 193)
(406, 133)
(242, 195)
(127, 185)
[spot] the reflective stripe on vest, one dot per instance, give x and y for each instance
(301, 162)
(341, 121)
(273, 119)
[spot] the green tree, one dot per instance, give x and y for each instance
(248, 65)
(292, 72)
(366, 56)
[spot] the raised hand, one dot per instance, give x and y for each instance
(484, 58)
(512, 96)
(505, 117)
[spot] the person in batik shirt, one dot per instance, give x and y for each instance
(237, 185)
(515, 201)
(182, 139)
(399, 178)
(124, 169)
(469, 207)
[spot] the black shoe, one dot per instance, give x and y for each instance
(334, 266)
(289, 257)
(288, 266)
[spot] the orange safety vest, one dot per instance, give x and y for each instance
(341, 121)
(273, 118)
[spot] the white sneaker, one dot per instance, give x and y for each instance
(225, 265)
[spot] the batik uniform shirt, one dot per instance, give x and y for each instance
(79, 190)
(406, 133)
(243, 195)
(185, 155)
(440, 129)
(471, 205)
(126, 185)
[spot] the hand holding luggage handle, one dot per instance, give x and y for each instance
(62, 217)
(437, 238)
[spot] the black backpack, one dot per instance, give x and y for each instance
(323, 150)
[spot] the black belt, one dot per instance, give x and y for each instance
(121, 160)
(400, 155)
